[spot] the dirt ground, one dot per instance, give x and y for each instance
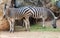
(7, 34)
(30, 35)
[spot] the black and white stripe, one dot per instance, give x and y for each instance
(42, 12)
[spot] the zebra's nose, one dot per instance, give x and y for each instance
(54, 27)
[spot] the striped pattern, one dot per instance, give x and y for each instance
(44, 13)
(39, 12)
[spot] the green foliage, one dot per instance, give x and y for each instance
(54, 1)
(38, 28)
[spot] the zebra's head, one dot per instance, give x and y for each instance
(53, 18)
(54, 22)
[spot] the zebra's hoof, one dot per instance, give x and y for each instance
(11, 31)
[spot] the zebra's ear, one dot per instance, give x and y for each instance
(4, 9)
(5, 6)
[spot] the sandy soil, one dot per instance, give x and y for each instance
(30, 35)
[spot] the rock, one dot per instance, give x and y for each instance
(4, 25)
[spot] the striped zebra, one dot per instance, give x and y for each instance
(13, 14)
(44, 13)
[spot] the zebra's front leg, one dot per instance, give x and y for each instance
(25, 24)
(43, 22)
(28, 24)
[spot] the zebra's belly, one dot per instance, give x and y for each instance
(37, 17)
(16, 17)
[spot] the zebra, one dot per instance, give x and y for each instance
(44, 13)
(25, 12)
(13, 14)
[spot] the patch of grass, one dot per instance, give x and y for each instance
(38, 27)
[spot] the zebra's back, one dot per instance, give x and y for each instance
(38, 12)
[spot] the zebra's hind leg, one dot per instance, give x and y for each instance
(12, 25)
(11, 22)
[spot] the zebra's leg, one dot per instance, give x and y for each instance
(43, 22)
(12, 25)
(36, 20)
(25, 24)
(28, 24)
